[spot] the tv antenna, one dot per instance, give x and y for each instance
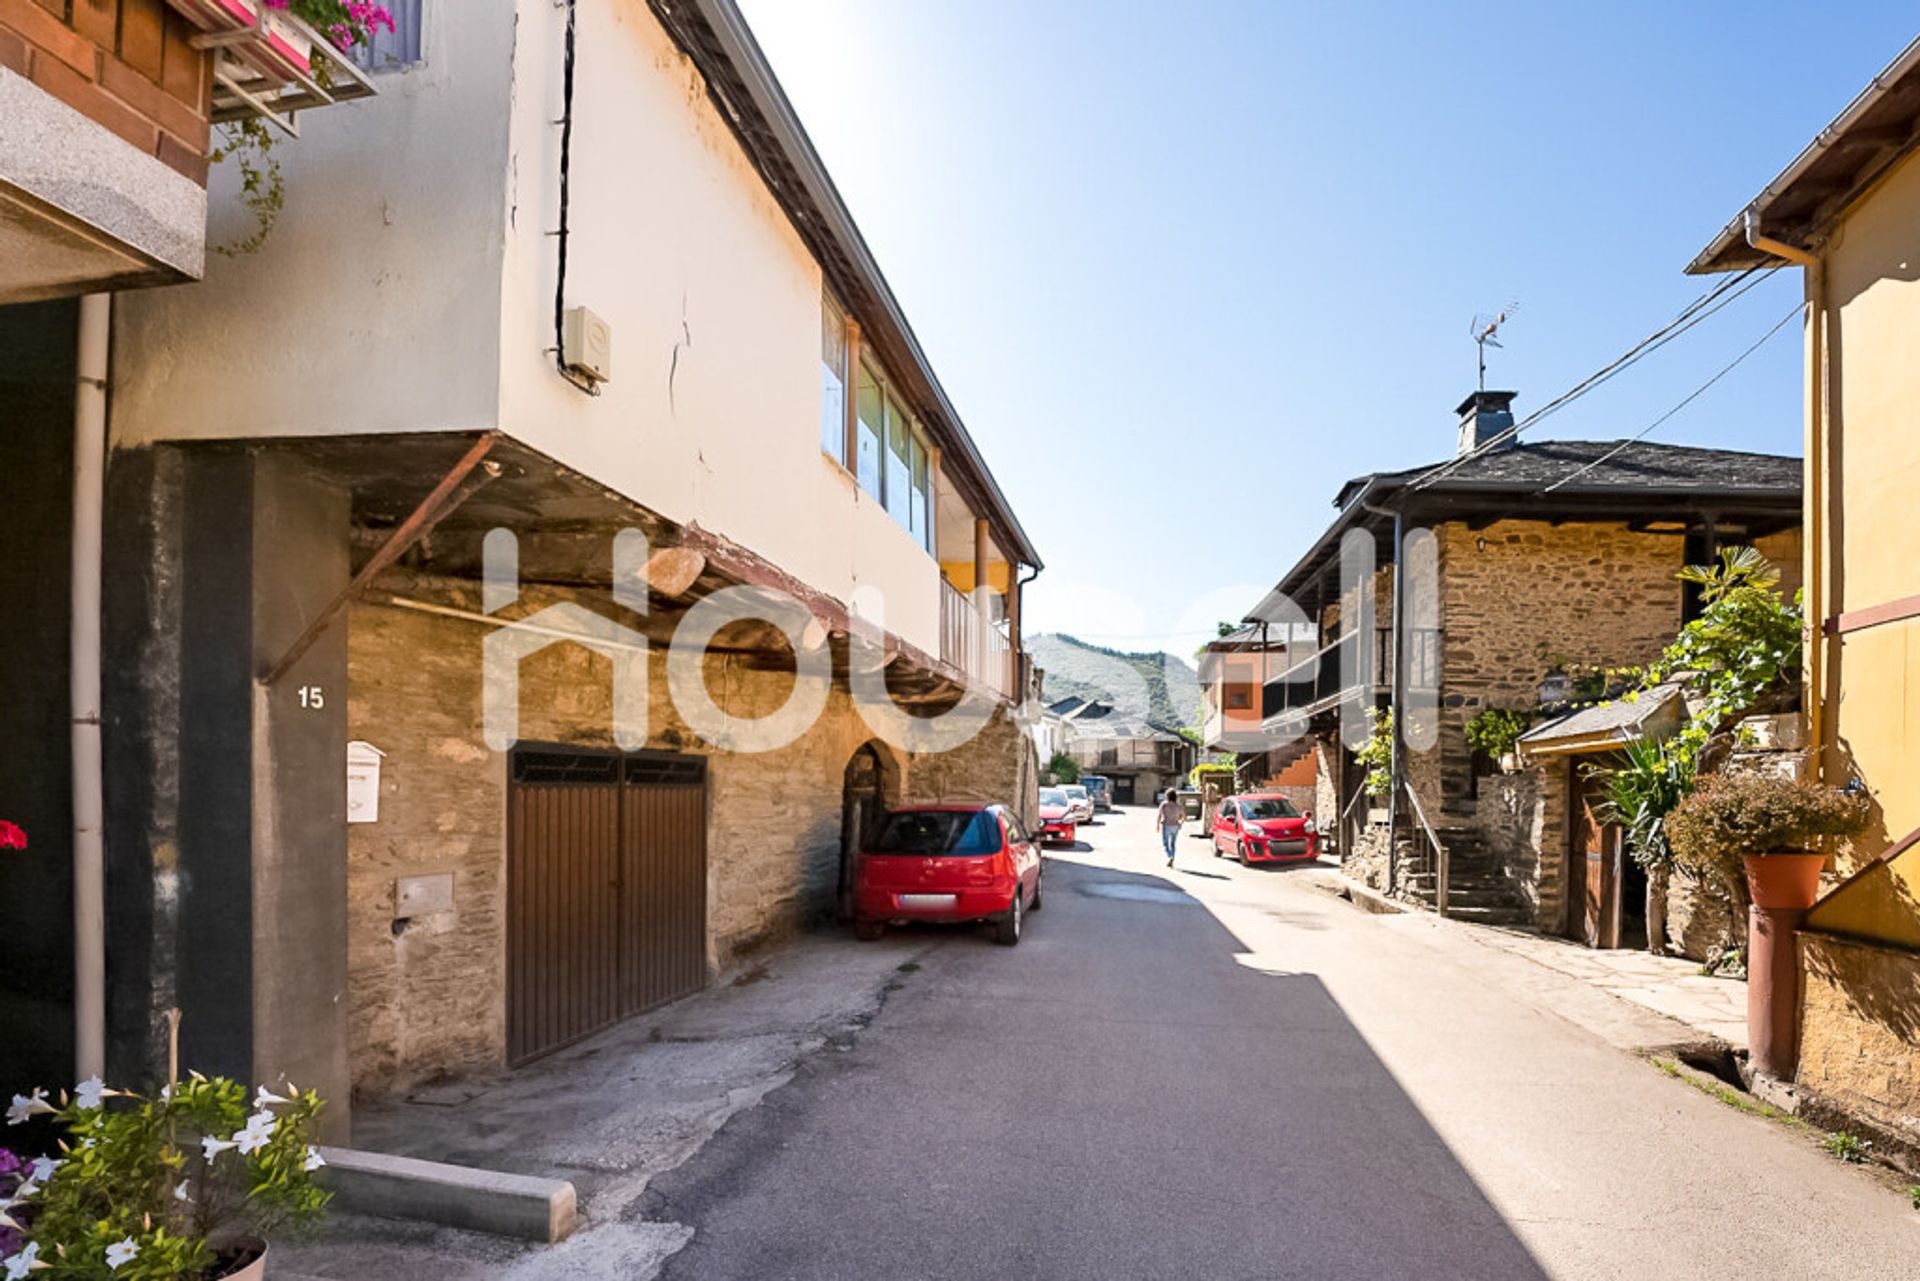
(1485, 325)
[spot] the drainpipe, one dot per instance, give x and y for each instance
(1773, 954)
(89, 860)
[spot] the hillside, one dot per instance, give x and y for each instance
(1157, 686)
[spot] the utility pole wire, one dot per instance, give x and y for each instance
(1715, 299)
(1691, 397)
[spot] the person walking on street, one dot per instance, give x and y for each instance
(1170, 817)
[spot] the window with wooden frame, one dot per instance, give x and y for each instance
(834, 350)
(891, 457)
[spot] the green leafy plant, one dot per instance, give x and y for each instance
(169, 1187)
(1063, 768)
(1850, 1148)
(1643, 784)
(1731, 815)
(1221, 776)
(1913, 1195)
(1493, 732)
(1377, 754)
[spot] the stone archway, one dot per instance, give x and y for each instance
(869, 785)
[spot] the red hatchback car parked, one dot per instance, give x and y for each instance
(1056, 816)
(949, 863)
(1264, 827)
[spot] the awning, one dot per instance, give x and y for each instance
(1607, 727)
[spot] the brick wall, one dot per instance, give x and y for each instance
(124, 64)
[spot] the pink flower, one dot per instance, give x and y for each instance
(11, 837)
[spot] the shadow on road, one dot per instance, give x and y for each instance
(1120, 1096)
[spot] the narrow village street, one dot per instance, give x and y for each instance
(1228, 1072)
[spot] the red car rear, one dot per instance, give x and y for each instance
(1264, 827)
(949, 863)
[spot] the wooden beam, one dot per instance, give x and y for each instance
(444, 497)
(1894, 611)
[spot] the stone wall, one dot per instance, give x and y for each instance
(1860, 1028)
(427, 993)
(1524, 816)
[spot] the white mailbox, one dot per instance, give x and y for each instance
(363, 782)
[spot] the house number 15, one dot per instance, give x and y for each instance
(312, 697)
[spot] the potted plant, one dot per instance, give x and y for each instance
(1766, 827)
(183, 1185)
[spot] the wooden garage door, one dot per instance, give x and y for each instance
(606, 891)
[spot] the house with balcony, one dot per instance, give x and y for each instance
(1844, 211)
(109, 110)
(1492, 580)
(531, 569)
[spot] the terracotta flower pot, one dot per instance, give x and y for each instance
(251, 1258)
(1787, 882)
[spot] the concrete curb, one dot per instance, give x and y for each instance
(1368, 899)
(454, 1196)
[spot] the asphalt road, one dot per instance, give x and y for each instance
(1220, 1072)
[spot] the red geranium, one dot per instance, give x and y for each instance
(11, 837)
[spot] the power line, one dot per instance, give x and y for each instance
(1648, 430)
(1712, 301)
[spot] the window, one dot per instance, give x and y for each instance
(869, 431)
(1239, 697)
(396, 49)
(938, 832)
(899, 485)
(1226, 810)
(892, 459)
(833, 380)
(1268, 807)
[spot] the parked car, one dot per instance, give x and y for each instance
(1056, 816)
(1100, 788)
(1264, 827)
(949, 863)
(1082, 802)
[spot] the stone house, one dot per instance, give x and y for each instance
(583, 554)
(1844, 211)
(1525, 564)
(107, 112)
(1141, 757)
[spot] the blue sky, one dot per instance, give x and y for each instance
(1184, 269)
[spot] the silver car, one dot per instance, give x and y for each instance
(1079, 803)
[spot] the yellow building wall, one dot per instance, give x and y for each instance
(1869, 542)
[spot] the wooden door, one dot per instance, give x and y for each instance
(1594, 907)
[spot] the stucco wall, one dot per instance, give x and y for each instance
(1873, 319)
(374, 304)
(1860, 1028)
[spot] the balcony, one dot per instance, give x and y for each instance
(974, 645)
(1327, 678)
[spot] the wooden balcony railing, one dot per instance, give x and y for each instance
(973, 644)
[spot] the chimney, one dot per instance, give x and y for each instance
(1483, 416)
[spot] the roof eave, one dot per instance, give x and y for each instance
(744, 56)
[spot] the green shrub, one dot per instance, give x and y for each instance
(154, 1189)
(1493, 732)
(1850, 1148)
(1063, 768)
(1734, 814)
(1377, 754)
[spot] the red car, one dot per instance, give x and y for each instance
(1264, 827)
(949, 863)
(1056, 816)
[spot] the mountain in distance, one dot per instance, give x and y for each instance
(1154, 685)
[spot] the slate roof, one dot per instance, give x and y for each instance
(1621, 719)
(1642, 465)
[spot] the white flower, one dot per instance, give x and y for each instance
(166, 1094)
(180, 1193)
(7, 1220)
(263, 1097)
(26, 1105)
(314, 1159)
(25, 1191)
(28, 1260)
(44, 1166)
(259, 1129)
(120, 1252)
(213, 1147)
(91, 1093)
